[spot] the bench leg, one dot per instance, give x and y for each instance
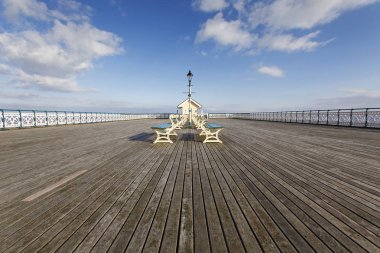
(162, 137)
(212, 136)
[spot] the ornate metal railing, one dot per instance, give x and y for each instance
(36, 118)
(359, 117)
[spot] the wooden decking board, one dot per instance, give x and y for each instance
(50, 239)
(216, 234)
(269, 187)
(268, 223)
(136, 216)
(77, 237)
(286, 220)
(201, 238)
(232, 236)
(127, 205)
(44, 226)
(316, 173)
(154, 238)
(245, 231)
(169, 241)
(331, 218)
(186, 233)
(35, 208)
(15, 206)
(140, 234)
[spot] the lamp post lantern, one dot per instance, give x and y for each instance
(189, 77)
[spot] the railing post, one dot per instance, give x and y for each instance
(327, 120)
(20, 115)
(3, 118)
(338, 117)
(66, 117)
(318, 117)
(366, 118)
(46, 118)
(351, 117)
(310, 117)
(303, 116)
(56, 113)
(34, 118)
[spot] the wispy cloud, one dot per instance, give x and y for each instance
(281, 25)
(52, 58)
(361, 92)
(271, 71)
(351, 98)
(210, 5)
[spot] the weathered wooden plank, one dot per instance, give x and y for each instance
(186, 233)
(170, 238)
(154, 237)
(201, 238)
(269, 186)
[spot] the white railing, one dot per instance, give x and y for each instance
(35, 118)
(358, 117)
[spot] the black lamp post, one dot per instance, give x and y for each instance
(189, 77)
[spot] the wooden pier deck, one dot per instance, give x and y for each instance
(270, 187)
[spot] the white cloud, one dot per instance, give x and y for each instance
(271, 71)
(210, 5)
(14, 9)
(302, 14)
(225, 33)
(276, 25)
(51, 59)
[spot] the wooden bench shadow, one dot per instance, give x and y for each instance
(144, 137)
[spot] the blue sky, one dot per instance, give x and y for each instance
(133, 56)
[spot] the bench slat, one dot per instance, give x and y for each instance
(162, 126)
(212, 125)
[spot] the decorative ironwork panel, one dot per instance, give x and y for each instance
(41, 119)
(12, 119)
(333, 118)
(344, 118)
(299, 116)
(287, 117)
(89, 117)
(358, 118)
(293, 117)
(283, 117)
(70, 118)
(276, 116)
(61, 118)
(323, 117)
(373, 118)
(314, 117)
(77, 118)
(83, 117)
(306, 117)
(27, 119)
(52, 118)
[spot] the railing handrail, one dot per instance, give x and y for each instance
(19, 118)
(368, 118)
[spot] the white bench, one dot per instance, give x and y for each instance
(164, 131)
(211, 131)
